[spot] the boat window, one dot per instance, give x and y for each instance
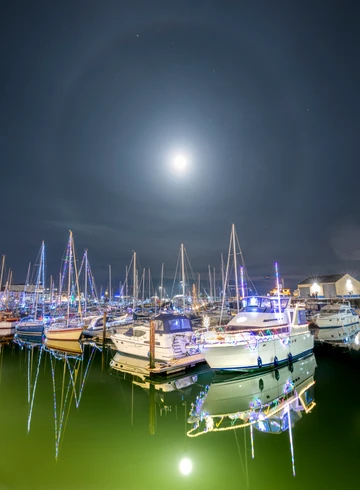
(342, 311)
(275, 426)
(302, 317)
(179, 324)
(139, 333)
(159, 325)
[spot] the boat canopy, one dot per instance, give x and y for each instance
(172, 324)
(264, 304)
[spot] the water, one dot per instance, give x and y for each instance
(125, 434)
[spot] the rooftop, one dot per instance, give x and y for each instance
(322, 279)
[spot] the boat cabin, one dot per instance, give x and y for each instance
(264, 304)
(164, 324)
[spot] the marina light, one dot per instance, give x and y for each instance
(185, 466)
(315, 287)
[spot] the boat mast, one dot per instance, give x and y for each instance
(149, 277)
(134, 284)
(26, 282)
(198, 285)
(183, 274)
(9, 288)
(222, 274)
(235, 268)
(76, 279)
(242, 281)
(126, 282)
(278, 286)
(38, 281)
(110, 283)
(161, 285)
(51, 289)
(143, 288)
(214, 289)
(86, 280)
(226, 277)
(210, 284)
(2, 270)
(43, 274)
(69, 276)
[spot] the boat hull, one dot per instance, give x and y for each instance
(240, 394)
(265, 355)
(63, 333)
(138, 349)
(336, 334)
(7, 329)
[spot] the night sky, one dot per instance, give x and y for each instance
(97, 96)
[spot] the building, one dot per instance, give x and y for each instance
(331, 286)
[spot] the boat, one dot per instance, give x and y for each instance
(30, 326)
(336, 323)
(96, 325)
(68, 329)
(271, 402)
(173, 338)
(64, 331)
(69, 347)
(266, 333)
(7, 326)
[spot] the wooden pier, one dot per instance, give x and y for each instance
(142, 366)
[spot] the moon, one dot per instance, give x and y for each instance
(185, 466)
(180, 162)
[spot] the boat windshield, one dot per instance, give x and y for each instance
(179, 324)
(261, 304)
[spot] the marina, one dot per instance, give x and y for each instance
(179, 256)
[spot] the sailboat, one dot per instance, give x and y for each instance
(33, 325)
(68, 329)
(69, 374)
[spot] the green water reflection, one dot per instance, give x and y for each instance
(69, 424)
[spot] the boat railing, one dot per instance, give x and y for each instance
(238, 334)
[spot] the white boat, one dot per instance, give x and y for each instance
(7, 327)
(96, 325)
(337, 323)
(269, 402)
(264, 334)
(63, 331)
(68, 329)
(173, 338)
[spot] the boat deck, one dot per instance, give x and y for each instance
(142, 366)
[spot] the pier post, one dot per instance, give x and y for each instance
(152, 409)
(103, 342)
(152, 344)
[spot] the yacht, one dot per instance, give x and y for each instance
(96, 325)
(173, 338)
(64, 331)
(266, 333)
(265, 401)
(337, 323)
(31, 326)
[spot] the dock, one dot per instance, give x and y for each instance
(142, 366)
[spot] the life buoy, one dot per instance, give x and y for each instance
(259, 362)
